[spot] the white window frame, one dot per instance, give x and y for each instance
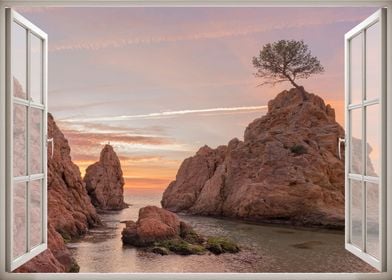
(377, 17)
(214, 3)
(12, 263)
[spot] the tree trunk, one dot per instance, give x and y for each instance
(301, 88)
(292, 82)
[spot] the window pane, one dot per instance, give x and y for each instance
(373, 62)
(373, 140)
(356, 69)
(36, 69)
(19, 65)
(19, 219)
(20, 130)
(356, 161)
(372, 219)
(35, 139)
(356, 213)
(35, 212)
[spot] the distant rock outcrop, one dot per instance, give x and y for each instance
(104, 181)
(70, 212)
(286, 170)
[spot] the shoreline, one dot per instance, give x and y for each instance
(262, 256)
(272, 223)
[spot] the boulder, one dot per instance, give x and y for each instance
(161, 232)
(154, 224)
(104, 181)
(286, 170)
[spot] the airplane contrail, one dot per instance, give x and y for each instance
(167, 114)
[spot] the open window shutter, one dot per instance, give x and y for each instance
(365, 110)
(26, 72)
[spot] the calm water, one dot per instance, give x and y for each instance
(264, 248)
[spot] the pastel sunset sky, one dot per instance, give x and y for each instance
(158, 83)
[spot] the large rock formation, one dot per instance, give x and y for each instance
(104, 181)
(286, 170)
(70, 212)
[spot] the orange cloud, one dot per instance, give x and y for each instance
(139, 168)
(87, 138)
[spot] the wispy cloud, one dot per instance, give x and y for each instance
(131, 40)
(38, 10)
(91, 138)
(87, 143)
(168, 114)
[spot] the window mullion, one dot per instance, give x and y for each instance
(364, 141)
(28, 91)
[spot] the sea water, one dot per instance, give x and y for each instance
(264, 248)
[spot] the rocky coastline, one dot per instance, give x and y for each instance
(286, 171)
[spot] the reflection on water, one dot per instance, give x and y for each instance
(265, 248)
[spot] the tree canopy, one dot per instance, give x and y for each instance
(286, 60)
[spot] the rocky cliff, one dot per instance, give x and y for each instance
(286, 170)
(70, 211)
(104, 181)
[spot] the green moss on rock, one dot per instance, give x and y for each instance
(189, 235)
(66, 237)
(182, 247)
(219, 245)
(74, 268)
(160, 250)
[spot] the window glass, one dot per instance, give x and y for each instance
(35, 141)
(372, 220)
(373, 140)
(373, 62)
(356, 161)
(19, 219)
(19, 60)
(36, 69)
(356, 69)
(19, 143)
(356, 213)
(35, 212)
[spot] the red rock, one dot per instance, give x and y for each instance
(286, 170)
(154, 224)
(104, 181)
(194, 172)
